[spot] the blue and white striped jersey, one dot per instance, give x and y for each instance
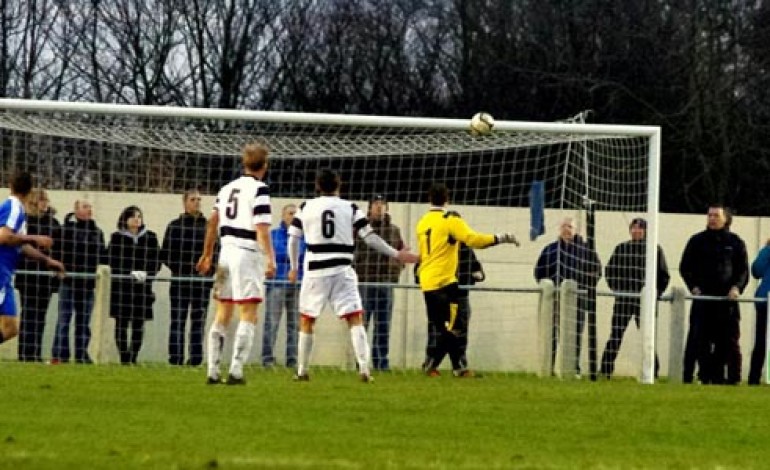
(12, 215)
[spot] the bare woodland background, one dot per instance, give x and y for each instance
(698, 68)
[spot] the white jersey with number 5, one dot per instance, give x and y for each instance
(242, 204)
(329, 225)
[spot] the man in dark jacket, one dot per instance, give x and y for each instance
(715, 263)
(81, 250)
(625, 274)
(373, 267)
(569, 257)
(36, 289)
(182, 246)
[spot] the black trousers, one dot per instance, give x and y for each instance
(129, 349)
(713, 340)
(622, 312)
(189, 300)
(760, 344)
(460, 330)
(34, 306)
(441, 306)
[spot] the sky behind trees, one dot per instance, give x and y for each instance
(698, 69)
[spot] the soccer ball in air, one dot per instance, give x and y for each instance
(482, 124)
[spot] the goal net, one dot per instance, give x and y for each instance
(527, 178)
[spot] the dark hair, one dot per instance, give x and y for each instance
(438, 194)
(327, 181)
(640, 222)
(127, 213)
(21, 183)
(727, 211)
(377, 197)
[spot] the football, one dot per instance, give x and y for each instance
(482, 124)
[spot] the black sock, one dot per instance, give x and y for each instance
(1, 337)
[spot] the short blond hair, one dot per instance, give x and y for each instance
(255, 156)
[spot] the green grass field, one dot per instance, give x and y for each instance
(157, 417)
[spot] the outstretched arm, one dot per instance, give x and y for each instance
(376, 242)
(33, 253)
(9, 238)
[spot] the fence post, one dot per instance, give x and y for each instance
(676, 336)
(568, 305)
(101, 337)
(545, 327)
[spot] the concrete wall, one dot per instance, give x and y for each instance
(504, 324)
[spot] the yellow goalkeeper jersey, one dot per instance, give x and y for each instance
(438, 234)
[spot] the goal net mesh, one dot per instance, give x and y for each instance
(513, 180)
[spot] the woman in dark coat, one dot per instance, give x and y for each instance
(133, 257)
(36, 289)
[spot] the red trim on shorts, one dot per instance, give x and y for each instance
(352, 314)
(250, 300)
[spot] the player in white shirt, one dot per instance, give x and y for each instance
(329, 224)
(242, 217)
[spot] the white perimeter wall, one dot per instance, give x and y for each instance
(503, 326)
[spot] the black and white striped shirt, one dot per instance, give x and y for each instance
(329, 225)
(242, 204)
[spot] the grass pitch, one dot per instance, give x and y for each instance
(116, 417)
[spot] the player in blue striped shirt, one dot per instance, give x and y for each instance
(14, 241)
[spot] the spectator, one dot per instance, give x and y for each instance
(133, 257)
(281, 294)
(569, 257)
(14, 241)
(81, 250)
(760, 269)
(625, 274)
(469, 272)
(189, 297)
(438, 233)
(36, 289)
(714, 263)
(376, 268)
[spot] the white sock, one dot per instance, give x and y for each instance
(304, 349)
(360, 347)
(244, 338)
(217, 336)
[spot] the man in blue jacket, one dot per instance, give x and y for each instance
(282, 295)
(569, 257)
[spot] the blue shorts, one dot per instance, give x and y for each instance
(7, 300)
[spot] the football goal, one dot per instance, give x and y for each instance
(523, 177)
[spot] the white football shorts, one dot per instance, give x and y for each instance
(340, 290)
(240, 275)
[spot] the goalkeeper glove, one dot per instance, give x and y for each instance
(506, 237)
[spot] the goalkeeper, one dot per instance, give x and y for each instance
(438, 234)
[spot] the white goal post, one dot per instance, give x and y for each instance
(146, 153)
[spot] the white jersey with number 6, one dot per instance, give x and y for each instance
(329, 225)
